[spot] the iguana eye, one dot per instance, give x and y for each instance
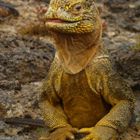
(78, 7)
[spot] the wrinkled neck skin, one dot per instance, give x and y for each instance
(75, 51)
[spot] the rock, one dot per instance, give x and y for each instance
(46, 1)
(23, 59)
(127, 62)
(7, 10)
(3, 137)
(9, 85)
(116, 5)
(125, 54)
(131, 26)
(2, 110)
(12, 131)
(126, 11)
(3, 126)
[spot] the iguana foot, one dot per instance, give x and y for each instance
(99, 133)
(65, 133)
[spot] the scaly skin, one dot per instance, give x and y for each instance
(71, 16)
(86, 97)
(82, 89)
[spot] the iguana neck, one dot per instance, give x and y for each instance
(75, 51)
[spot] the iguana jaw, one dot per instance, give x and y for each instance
(62, 21)
(68, 26)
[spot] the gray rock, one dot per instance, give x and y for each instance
(3, 126)
(24, 59)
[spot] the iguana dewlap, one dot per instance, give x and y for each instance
(80, 103)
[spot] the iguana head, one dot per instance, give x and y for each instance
(73, 16)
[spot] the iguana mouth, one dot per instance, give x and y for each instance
(56, 20)
(69, 26)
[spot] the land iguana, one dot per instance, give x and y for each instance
(82, 93)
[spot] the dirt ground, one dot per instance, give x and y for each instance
(25, 60)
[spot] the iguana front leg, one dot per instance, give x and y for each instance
(99, 133)
(115, 122)
(56, 119)
(52, 111)
(116, 92)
